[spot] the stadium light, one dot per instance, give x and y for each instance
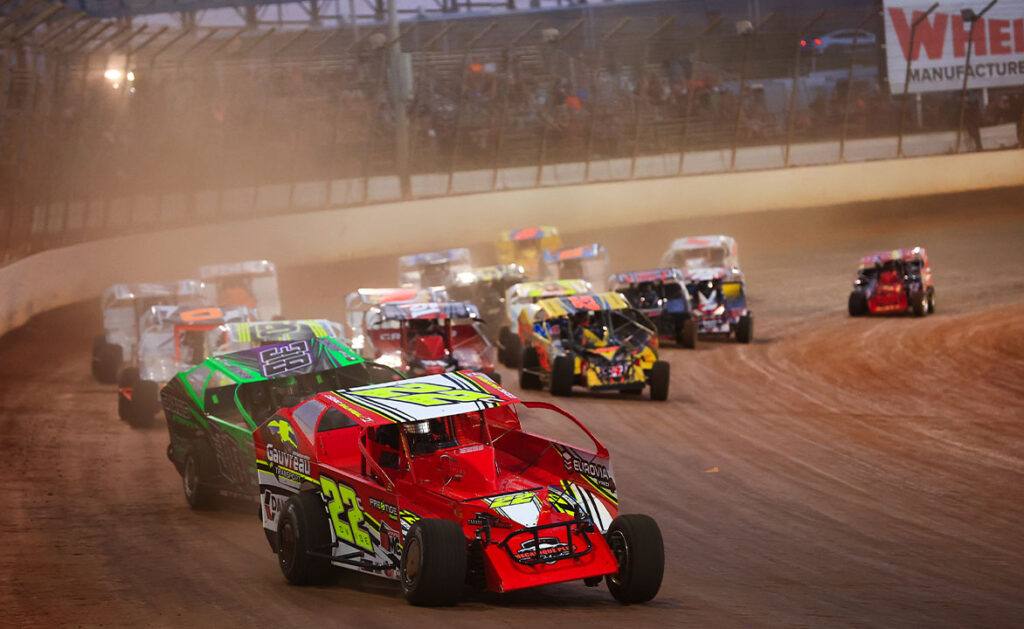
(112, 74)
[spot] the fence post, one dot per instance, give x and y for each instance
(972, 17)
(747, 36)
(849, 88)
(638, 100)
(906, 80)
(796, 79)
(372, 129)
(596, 74)
(502, 116)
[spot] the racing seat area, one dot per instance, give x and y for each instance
(429, 347)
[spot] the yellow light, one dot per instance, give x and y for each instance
(113, 74)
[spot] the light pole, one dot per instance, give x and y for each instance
(400, 84)
(906, 80)
(796, 80)
(968, 15)
(849, 87)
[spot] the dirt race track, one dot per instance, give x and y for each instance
(836, 472)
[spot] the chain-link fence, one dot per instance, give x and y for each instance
(109, 128)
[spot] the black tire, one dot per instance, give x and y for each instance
(919, 304)
(503, 336)
(145, 403)
(636, 541)
(527, 379)
(563, 374)
(745, 329)
(931, 301)
(513, 351)
(196, 471)
(106, 360)
(658, 379)
(858, 304)
(128, 379)
(494, 375)
(434, 561)
(686, 334)
(304, 528)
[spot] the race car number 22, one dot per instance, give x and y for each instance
(347, 518)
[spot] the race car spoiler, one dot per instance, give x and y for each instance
(586, 252)
(181, 288)
(433, 257)
(653, 275)
(529, 233)
(491, 274)
(251, 267)
(906, 254)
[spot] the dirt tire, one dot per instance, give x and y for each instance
(513, 351)
(528, 380)
(931, 301)
(636, 541)
(686, 334)
(128, 379)
(919, 304)
(106, 360)
(304, 528)
(434, 562)
(145, 403)
(196, 471)
(658, 379)
(563, 374)
(745, 329)
(857, 304)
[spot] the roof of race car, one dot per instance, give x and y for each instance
(419, 399)
(434, 257)
(701, 242)
(430, 310)
(286, 330)
(491, 273)
(290, 358)
(554, 288)
(179, 288)
(908, 253)
(251, 267)
(205, 316)
(653, 275)
(707, 274)
(375, 296)
(529, 233)
(586, 252)
(563, 306)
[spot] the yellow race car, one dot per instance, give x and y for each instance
(595, 341)
(526, 247)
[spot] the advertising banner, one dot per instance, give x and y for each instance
(939, 51)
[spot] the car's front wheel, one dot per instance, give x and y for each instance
(304, 540)
(636, 541)
(745, 329)
(857, 304)
(195, 474)
(563, 373)
(530, 362)
(658, 379)
(434, 560)
(686, 335)
(919, 303)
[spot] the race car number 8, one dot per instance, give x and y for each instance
(343, 506)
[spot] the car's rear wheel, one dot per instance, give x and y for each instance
(528, 378)
(513, 350)
(857, 304)
(106, 360)
(658, 380)
(931, 301)
(745, 329)
(304, 540)
(919, 303)
(636, 541)
(195, 475)
(145, 403)
(434, 560)
(563, 373)
(686, 334)
(126, 382)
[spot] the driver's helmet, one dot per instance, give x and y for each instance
(417, 428)
(435, 274)
(424, 326)
(581, 319)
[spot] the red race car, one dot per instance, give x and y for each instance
(893, 281)
(429, 337)
(433, 482)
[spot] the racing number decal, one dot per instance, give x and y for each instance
(425, 394)
(510, 500)
(584, 302)
(346, 516)
(281, 359)
(201, 314)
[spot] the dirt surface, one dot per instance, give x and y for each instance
(835, 472)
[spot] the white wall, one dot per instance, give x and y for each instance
(63, 276)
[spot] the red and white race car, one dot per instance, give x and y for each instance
(719, 299)
(433, 482)
(429, 337)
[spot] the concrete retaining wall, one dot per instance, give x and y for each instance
(58, 277)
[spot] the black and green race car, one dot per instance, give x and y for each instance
(213, 408)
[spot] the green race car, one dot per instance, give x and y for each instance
(213, 408)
